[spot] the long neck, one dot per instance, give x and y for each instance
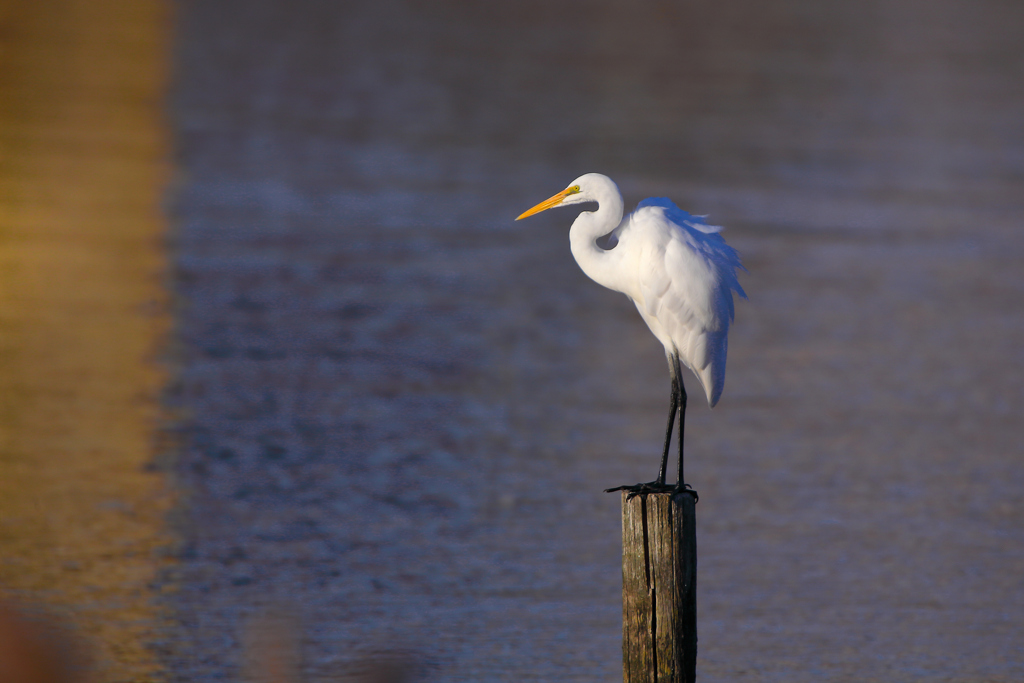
(600, 265)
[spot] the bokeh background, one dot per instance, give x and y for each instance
(273, 344)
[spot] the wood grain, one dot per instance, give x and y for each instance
(659, 588)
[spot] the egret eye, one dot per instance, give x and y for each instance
(574, 189)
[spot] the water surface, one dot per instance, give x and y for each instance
(406, 406)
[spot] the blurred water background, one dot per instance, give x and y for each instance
(394, 409)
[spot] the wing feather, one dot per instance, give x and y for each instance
(687, 278)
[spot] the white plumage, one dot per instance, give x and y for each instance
(676, 268)
(687, 275)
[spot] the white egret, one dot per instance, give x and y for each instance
(679, 273)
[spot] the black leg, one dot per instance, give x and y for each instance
(673, 405)
(681, 401)
(676, 400)
(681, 484)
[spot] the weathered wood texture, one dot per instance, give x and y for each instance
(659, 589)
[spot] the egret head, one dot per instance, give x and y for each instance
(591, 187)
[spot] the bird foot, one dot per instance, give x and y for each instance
(654, 487)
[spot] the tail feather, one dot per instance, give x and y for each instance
(712, 375)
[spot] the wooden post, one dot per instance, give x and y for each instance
(659, 588)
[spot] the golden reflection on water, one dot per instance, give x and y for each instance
(82, 165)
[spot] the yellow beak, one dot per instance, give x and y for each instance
(547, 203)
